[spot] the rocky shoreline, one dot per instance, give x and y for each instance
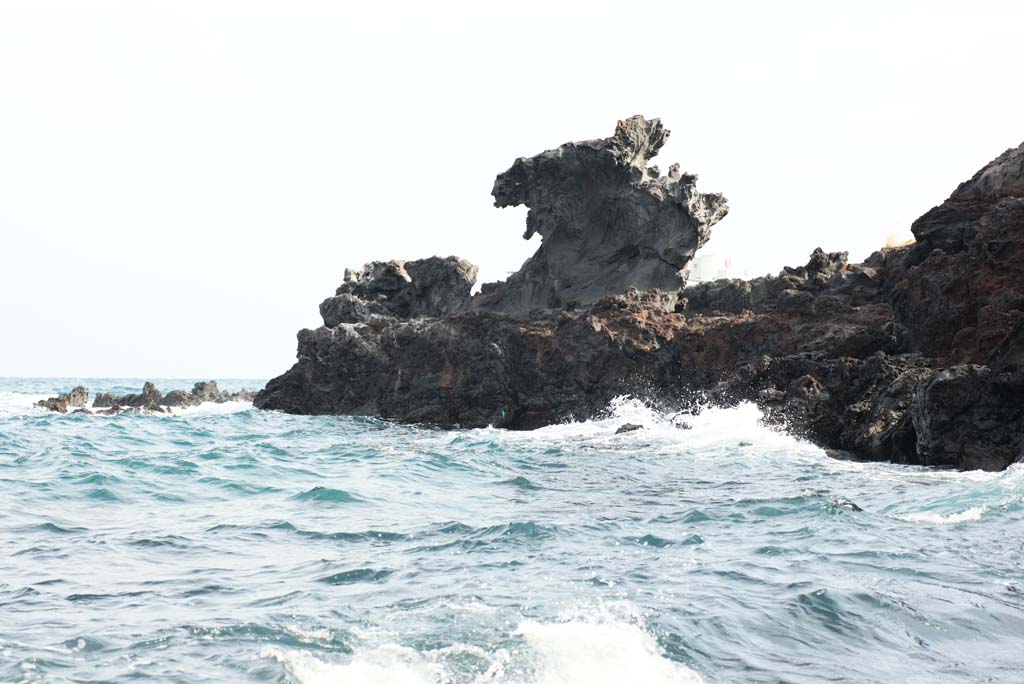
(150, 400)
(914, 356)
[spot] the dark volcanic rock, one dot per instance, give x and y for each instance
(150, 398)
(608, 221)
(77, 397)
(628, 427)
(914, 356)
(105, 400)
(180, 398)
(405, 289)
(148, 401)
(205, 391)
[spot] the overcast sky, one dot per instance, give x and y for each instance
(181, 183)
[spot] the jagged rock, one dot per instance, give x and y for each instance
(105, 400)
(205, 391)
(914, 356)
(402, 289)
(180, 398)
(150, 398)
(56, 404)
(240, 395)
(628, 427)
(83, 410)
(77, 397)
(608, 221)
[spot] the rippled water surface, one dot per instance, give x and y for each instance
(233, 545)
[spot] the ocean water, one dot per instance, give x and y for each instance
(228, 544)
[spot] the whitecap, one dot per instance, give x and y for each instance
(970, 515)
(590, 649)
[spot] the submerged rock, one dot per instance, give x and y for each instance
(914, 356)
(628, 427)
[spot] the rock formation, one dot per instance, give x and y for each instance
(150, 400)
(608, 221)
(77, 397)
(401, 289)
(914, 356)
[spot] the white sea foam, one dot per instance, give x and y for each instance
(709, 428)
(16, 403)
(601, 652)
(971, 514)
(582, 650)
(389, 664)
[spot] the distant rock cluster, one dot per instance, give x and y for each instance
(150, 400)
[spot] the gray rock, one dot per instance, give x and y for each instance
(150, 398)
(628, 427)
(56, 404)
(77, 397)
(105, 400)
(608, 222)
(205, 391)
(179, 398)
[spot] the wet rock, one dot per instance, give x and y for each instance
(180, 399)
(150, 398)
(914, 356)
(840, 502)
(970, 417)
(628, 427)
(83, 410)
(77, 397)
(56, 404)
(104, 400)
(240, 395)
(205, 391)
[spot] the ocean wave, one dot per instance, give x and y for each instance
(971, 514)
(592, 649)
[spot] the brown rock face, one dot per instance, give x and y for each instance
(915, 355)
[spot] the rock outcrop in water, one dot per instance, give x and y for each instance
(78, 397)
(150, 400)
(914, 356)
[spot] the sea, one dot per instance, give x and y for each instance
(222, 543)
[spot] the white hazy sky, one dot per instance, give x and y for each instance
(181, 183)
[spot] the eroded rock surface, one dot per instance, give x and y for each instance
(403, 289)
(915, 355)
(608, 221)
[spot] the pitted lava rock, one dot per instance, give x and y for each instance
(915, 355)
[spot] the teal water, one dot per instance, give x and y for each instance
(233, 545)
